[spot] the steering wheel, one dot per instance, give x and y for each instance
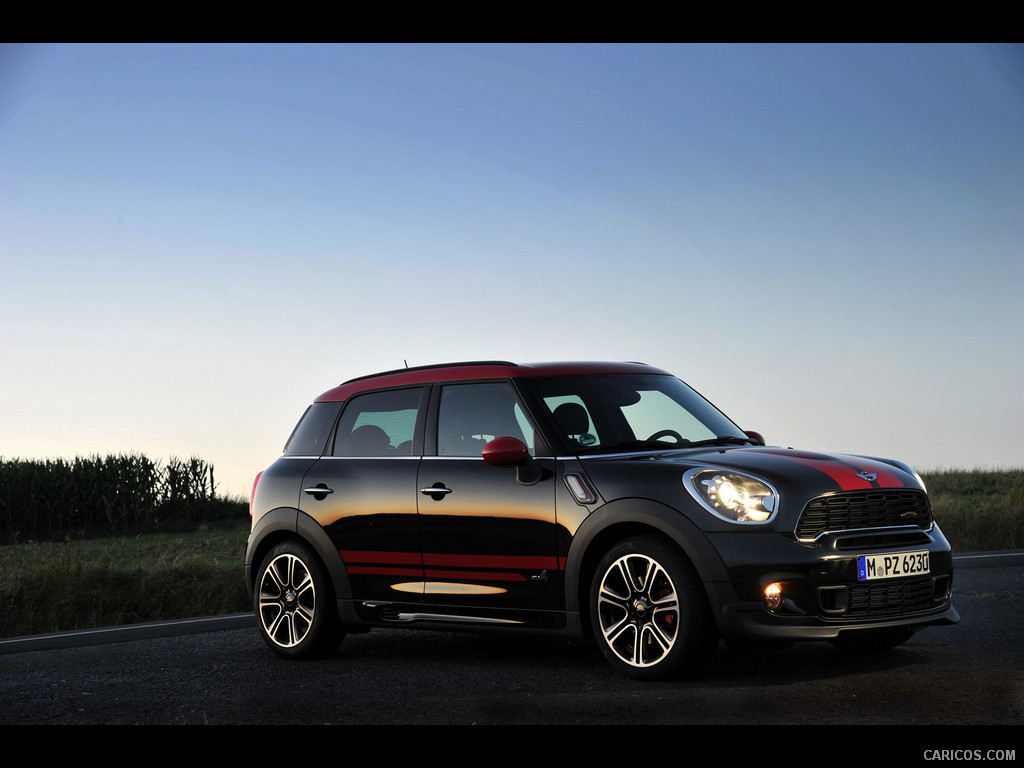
(679, 439)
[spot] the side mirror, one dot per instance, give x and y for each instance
(755, 436)
(512, 452)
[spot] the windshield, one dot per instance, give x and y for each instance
(619, 412)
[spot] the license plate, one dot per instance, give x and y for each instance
(890, 566)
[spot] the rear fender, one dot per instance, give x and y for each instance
(284, 523)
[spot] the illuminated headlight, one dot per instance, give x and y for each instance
(732, 496)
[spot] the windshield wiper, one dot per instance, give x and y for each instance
(634, 445)
(722, 440)
(657, 445)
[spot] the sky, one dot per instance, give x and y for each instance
(827, 241)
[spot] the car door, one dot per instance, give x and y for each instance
(363, 493)
(489, 541)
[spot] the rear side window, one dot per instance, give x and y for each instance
(309, 438)
(379, 424)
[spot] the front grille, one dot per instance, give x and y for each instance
(864, 509)
(890, 598)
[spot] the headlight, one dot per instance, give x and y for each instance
(732, 496)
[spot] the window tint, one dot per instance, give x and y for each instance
(379, 424)
(471, 415)
(309, 438)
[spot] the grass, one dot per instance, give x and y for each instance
(95, 582)
(58, 587)
(978, 510)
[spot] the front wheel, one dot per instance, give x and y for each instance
(294, 603)
(648, 611)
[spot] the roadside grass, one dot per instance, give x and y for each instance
(978, 510)
(86, 583)
(83, 584)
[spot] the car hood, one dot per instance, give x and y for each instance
(798, 476)
(840, 472)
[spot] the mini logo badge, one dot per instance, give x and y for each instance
(869, 476)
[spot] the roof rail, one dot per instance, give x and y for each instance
(427, 367)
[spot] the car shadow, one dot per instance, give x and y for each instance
(493, 660)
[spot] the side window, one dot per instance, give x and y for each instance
(471, 415)
(379, 424)
(309, 438)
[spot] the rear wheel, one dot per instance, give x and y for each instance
(648, 611)
(294, 603)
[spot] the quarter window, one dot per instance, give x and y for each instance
(309, 438)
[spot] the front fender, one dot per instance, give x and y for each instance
(622, 518)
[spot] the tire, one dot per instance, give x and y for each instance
(648, 611)
(873, 640)
(294, 603)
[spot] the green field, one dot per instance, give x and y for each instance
(81, 584)
(123, 578)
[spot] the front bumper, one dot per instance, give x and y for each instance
(822, 596)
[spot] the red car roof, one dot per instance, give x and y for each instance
(490, 369)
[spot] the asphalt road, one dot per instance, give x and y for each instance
(970, 674)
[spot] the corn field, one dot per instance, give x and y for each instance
(52, 499)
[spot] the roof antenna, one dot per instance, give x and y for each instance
(406, 362)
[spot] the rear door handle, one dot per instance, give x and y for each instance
(319, 492)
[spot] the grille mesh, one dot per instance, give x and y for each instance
(864, 509)
(891, 597)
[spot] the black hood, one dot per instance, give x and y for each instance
(798, 476)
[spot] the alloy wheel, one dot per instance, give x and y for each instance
(638, 610)
(287, 600)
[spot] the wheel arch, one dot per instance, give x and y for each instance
(624, 519)
(283, 524)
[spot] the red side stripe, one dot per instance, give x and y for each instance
(356, 559)
(379, 570)
(369, 556)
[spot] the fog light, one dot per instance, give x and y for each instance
(773, 596)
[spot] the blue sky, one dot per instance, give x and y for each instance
(196, 240)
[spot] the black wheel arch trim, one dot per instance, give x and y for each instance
(636, 513)
(284, 522)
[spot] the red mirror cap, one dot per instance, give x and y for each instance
(755, 436)
(505, 452)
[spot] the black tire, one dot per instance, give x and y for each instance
(648, 611)
(873, 640)
(294, 603)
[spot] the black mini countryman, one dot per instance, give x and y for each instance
(606, 500)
